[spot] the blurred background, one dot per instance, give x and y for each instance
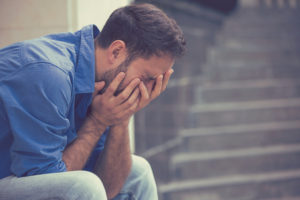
(228, 126)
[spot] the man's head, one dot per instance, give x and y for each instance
(139, 33)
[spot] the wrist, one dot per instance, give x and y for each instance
(122, 124)
(96, 126)
(96, 121)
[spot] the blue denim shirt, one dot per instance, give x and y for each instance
(46, 86)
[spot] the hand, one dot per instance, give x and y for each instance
(150, 92)
(108, 109)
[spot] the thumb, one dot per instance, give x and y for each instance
(98, 86)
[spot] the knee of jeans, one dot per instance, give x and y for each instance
(85, 185)
(141, 167)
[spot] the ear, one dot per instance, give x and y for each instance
(117, 51)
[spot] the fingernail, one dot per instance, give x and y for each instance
(172, 71)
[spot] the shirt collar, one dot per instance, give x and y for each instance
(85, 69)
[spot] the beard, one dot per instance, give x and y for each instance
(109, 76)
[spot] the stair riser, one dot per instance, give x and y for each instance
(260, 35)
(272, 23)
(248, 57)
(244, 46)
(252, 59)
(233, 166)
(196, 93)
(246, 94)
(257, 27)
(257, 14)
(250, 191)
(184, 119)
(232, 117)
(239, 140)
(246, 71)
(238, 47)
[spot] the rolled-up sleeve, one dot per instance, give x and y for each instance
(37, 99)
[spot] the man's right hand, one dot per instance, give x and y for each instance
(107, 109)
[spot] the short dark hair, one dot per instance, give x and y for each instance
(146, 31)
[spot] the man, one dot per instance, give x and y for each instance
(65, 104)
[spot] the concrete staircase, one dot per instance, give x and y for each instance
(241, 139)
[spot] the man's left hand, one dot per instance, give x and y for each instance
(149, 93)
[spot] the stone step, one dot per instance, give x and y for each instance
(238, 161)
(257, 186)
(220, 56)
(195, 89)
(242, 46)
(266, 14)
(256, 70)
(259, 18)
(213, 92)
(281, 35)
(285, 41)
(279, 21)
(260, 12)
(234, 113)
(257, 44)
(252, 57)
(239, 136)
(271, 21)
(251, 60)
(252, 28)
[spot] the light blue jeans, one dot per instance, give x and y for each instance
(80, 185)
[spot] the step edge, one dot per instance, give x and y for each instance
(229, 180)
(241, 128)
(182, 158)
(245, 105)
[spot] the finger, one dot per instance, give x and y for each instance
(98, 87)
(124, 95)
(131, 100)
(166, 79)
(130, 110)
(115, 84)
(144, 92)
(144, 100)
(150, 86)
(133, 108)
(157, 89)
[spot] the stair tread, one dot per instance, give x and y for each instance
(245, 105)
(242, 152)
(242, 84)
(240, 128)
(229, 180)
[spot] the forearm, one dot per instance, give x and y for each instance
(77, 153)
(114, 164)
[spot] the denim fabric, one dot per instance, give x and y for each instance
(79, 185)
